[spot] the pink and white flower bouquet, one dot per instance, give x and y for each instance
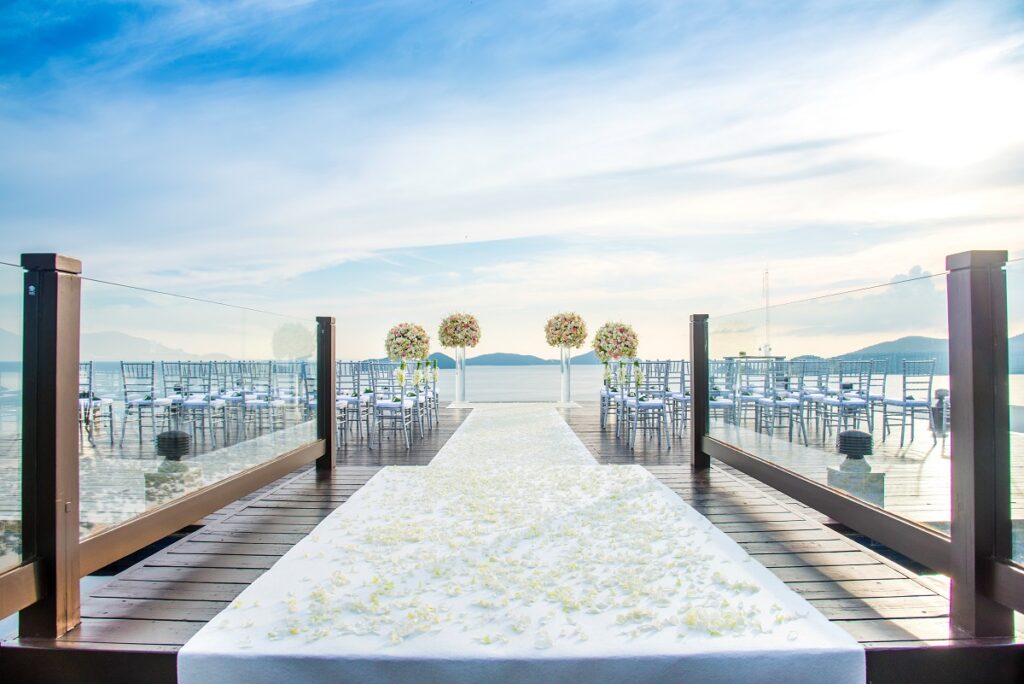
(407, 341)
(459, 330)
(615, 340)
(566, 329)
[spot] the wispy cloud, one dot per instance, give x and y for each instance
(627, 159)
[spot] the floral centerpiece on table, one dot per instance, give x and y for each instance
(459, 330)
(407, 341)
(566, 329)
(615, 340)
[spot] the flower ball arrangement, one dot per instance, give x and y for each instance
(459, 330)
(566, 329)
(407, 341)
(615, 340)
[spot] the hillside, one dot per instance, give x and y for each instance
(506, 359)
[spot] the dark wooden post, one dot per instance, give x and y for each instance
(979, 392)
(49, 477)
(326, 409)
(699, 390)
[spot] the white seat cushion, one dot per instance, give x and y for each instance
(389, 404)
(855, 402)
(149, 402)
(782, 401)
(648, 403)
(906, 402)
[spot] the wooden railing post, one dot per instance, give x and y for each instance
(52, 310)
(699, 390)
(980, 421)
(326, 409)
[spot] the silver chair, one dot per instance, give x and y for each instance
(918, 378)
(782, 403)
(93, 410)
(260, 408)
(199, 408)
(846, 400)
(679, 394)
(140, 398)
(393, 411)
(646, 405)
(721, 392)
(352, 401)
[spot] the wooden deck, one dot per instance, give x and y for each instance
(136, 621)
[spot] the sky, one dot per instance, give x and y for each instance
(397, 161)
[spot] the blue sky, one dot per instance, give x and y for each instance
(390, 161)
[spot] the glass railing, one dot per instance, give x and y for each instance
(1015, 315)
(176, 394)
(787, 380)
(11, 285)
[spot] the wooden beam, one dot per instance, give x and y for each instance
(116, 542)
(980, 424)
(699, 391)
(52, 308)
(326, 407)
(20, 587)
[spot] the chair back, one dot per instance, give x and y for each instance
(170, 371)
(784, 379)
(347, 378)
(259, 378)
(308, 383)
(196, 378)
(85, 380)
(879, 374)
(854, 378)
(286, 378)
(720, 379)
(918, 377)
(675, 376)
(385, 381)
(137, 380)
(652, 380)
(753, 376)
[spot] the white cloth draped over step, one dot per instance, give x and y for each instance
(515, 557)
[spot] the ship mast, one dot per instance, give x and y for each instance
(766, 350)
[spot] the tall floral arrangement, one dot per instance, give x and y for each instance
(459, 330)
(615, 340)
(407, 341)
(566, 329)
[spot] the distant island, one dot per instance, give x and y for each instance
(115, 346)
(510, 359)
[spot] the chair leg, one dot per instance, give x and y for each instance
(903, 425)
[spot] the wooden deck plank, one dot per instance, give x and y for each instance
(160, 602)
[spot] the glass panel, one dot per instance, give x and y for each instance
(176, 394)
(1015, 312)
(786, 381)
(11, 283)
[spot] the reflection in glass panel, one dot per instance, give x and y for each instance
(177, 394)
(11, 282)
(1015, 313)
(786, 381)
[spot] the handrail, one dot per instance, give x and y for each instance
(45, 587)
(987, 586)
(114, 543)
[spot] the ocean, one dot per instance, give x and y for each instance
(486, 383)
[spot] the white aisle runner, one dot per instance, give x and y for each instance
(515, 557)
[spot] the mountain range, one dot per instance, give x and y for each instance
(115, 346)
